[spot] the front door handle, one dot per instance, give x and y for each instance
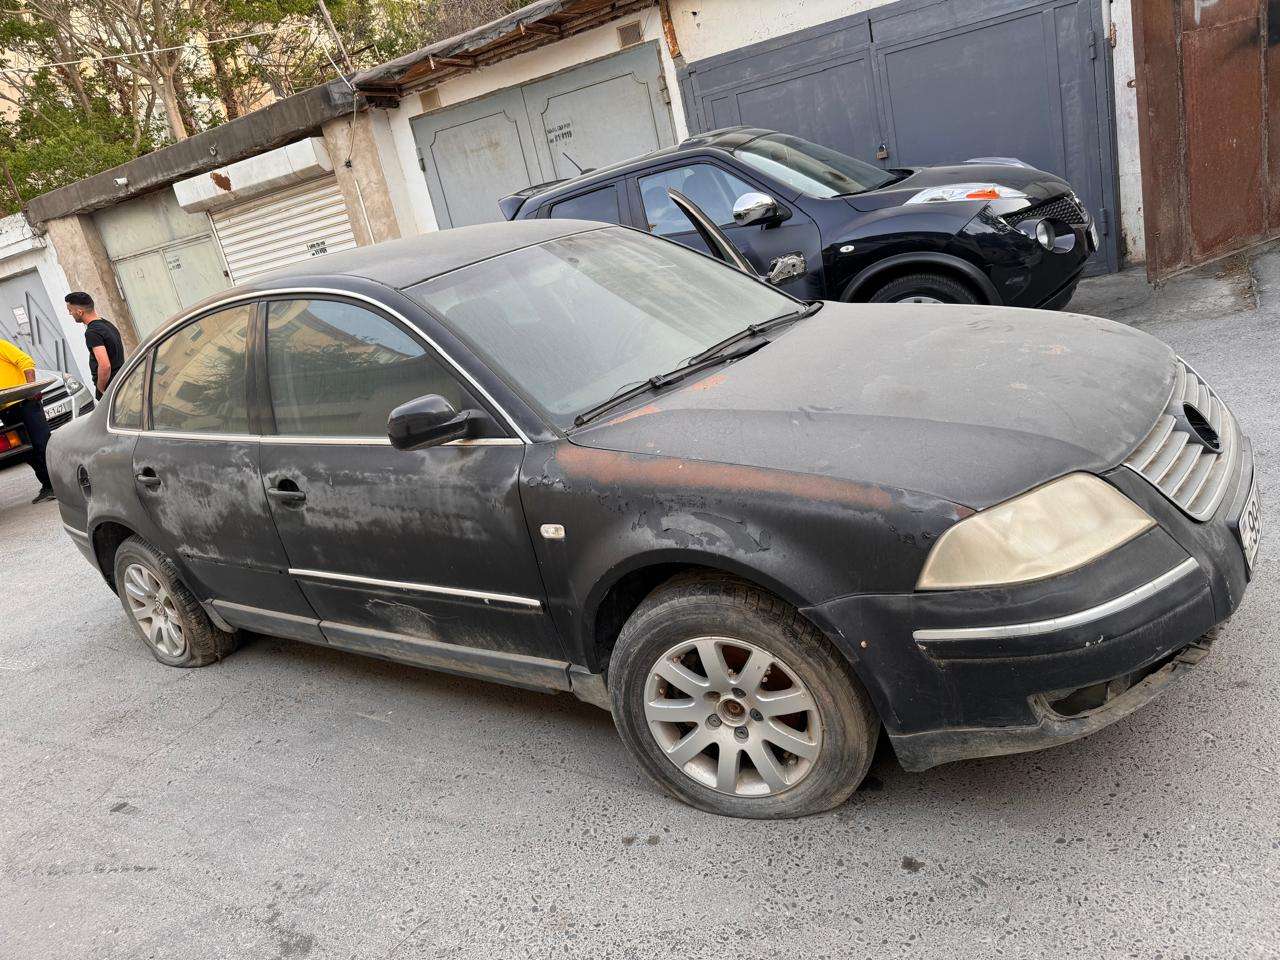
(286, 491)
(147, 477)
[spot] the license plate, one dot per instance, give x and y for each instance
(1249, 528)
(58, 409)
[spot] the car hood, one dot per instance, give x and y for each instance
(1036, 184)
(970, 404)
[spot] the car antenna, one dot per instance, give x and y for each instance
(581, 169)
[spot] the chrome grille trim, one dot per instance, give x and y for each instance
(1192, 476)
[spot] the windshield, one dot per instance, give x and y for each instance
(570, 322)
(812, 169)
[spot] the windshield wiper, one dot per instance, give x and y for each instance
(755, 329)
(724, 355)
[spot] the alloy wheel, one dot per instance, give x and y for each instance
(732, 716)
(919, 298)
(152, 607)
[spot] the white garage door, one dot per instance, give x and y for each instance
(285, 227)
(593, 115)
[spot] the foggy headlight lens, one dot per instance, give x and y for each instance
(1051, 530)
(73, 385)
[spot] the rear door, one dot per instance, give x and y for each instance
(398, 552)
(196, 470)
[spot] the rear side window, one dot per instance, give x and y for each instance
(198, 382)
(596, 205)
(127, 409)
(338, 370)
(712, 189)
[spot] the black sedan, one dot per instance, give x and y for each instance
(824, 226)
(574, 457)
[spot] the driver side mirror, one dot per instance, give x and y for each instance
(428, 422)
(755, 207)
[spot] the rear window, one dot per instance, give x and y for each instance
(198, 375)
(597, 205)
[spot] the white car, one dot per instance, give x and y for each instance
(65, 399)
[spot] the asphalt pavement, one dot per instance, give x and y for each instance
(297, 802)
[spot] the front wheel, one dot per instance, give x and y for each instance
(924, 288)
(736, 704)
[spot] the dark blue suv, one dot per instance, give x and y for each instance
(825, 226)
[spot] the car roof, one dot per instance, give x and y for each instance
(725, 138)
(403, 263)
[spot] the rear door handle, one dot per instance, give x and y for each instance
(147, 477)
(286, 491)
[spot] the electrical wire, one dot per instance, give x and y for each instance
(143, 53)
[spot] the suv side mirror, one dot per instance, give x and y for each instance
(428, 422)
(754, 207)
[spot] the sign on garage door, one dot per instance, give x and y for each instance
(474, 154)
(933, 81)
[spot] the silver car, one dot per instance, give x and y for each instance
(65, 399)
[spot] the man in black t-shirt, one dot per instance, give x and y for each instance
(106, 352)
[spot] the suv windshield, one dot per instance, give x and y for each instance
(570, 322)
(812, 169)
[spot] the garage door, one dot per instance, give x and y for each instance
(26, 319)
(934, 81)
(284, 227)
(474, 154)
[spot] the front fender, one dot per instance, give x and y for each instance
(807, 538)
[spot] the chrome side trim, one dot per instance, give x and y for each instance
(164, 331)
(419, 587)
(1122, 602)
(309, 441)
(80, 534)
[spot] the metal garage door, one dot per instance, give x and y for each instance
(26, 319)
(474, 154)
(934, 81)
(284, 227)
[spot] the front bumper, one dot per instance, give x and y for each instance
(972, 673)
(1023, 273)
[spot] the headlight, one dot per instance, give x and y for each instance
(967, 191)
(1045, 234)
(1054, 528)
(73, 385)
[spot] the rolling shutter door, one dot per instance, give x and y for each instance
(283, 228)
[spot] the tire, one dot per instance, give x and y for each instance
(195, 642)
(695, 615)
(933, 286)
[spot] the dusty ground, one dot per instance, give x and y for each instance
(297, 802)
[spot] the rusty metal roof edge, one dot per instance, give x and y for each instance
(272, 126)
(387, 74)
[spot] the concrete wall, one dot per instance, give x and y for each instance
(415, 211)
(22, 249)
(87, 267)
(709, 27)
(357, 164)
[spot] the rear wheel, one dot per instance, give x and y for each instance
(736, 704)
(164, 612)
(924, 288)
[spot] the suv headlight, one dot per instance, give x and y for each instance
(1053, 529)
(967, 191)
(73, 385)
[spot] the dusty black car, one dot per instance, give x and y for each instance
(822, 225)
(574, 457)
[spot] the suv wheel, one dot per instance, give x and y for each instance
(166, 615)
(924, 288)
(736, 704)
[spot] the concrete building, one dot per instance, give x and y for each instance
(32, 315)
(432, 139)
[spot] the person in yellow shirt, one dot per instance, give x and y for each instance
(16, 368)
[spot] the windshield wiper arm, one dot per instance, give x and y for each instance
(754, 330)
(666, 379)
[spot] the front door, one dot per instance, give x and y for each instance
(196, 471)
(400, 553)
(714, 190)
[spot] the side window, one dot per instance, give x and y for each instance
(711, 188)
(127, 411)
(198, 378)
(597, 205)
(338, 370)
